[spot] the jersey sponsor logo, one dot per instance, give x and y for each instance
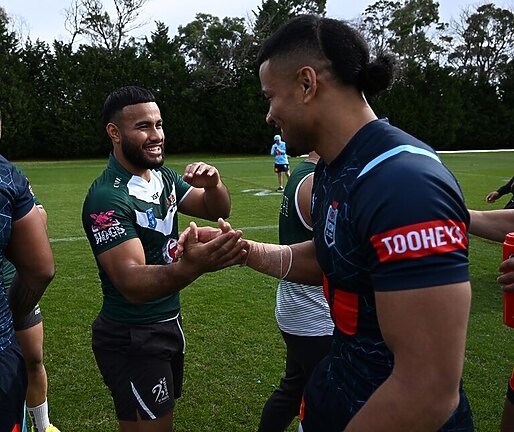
(152, 222)
(160, 391)
(105, 227)
(172, 199)
(330, 224)
(169, 251)
(420, 240)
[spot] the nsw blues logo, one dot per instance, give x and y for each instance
(152, 222)
(330, 224)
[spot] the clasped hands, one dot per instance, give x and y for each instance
(211, 249)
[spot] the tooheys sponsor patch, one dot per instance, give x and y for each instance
(419, 240)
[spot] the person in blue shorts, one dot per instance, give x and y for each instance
(278, 150)
(390, 241)
(23, 240)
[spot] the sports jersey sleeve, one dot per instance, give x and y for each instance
(23, 201)
(182, 188)
(107, 219)
(415, 228)
(34, 197)
(506, 188)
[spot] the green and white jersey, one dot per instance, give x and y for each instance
(301, 310)
(120, 206)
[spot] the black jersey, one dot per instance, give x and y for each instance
(15, 202)
(388, 215)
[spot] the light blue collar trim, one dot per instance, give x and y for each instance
(393, 152)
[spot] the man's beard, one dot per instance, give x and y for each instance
(136, 156)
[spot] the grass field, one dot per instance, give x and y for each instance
(235, 354)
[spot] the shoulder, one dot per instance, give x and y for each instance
(107, 189)
(168, 173)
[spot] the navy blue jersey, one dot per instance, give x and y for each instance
(388, 215)
(15, 202)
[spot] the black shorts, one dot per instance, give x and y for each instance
(31, 320)
(13, 388)
(142, 365)
(329, 405)
(281, 168)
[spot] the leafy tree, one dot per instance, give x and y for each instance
(214, 49)
(375, 23)
(88, 18)
(273, 13)
(412, 26)
(485, 41)
(14, 101)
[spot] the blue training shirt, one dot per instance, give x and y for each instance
(279, 151)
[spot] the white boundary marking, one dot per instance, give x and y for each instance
(265, 227)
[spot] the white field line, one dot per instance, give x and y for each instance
(73, 239)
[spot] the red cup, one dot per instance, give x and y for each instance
(508, 296)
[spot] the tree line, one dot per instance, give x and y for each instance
(455, 90)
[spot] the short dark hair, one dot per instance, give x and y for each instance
(122, 97)
(333, 42)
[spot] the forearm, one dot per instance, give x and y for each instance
(143, 283)
(217, 201)
(295, 263)
(492, 225)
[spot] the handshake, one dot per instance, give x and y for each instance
(208, 249)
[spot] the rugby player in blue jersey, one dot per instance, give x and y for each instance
(23, 240)
(390, 240)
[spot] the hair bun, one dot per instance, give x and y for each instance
(379, 74)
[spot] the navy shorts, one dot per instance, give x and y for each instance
(141, 364)
(13, 388)
(31, 320)
(281, 168)
(327, 405)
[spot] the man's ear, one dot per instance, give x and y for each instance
(309, 82)
(113, 132)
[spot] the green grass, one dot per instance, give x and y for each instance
(235, 355)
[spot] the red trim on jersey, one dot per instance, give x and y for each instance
(511, 381)
(344, 307)
(420, 240)
(302, 409)
(16, 428)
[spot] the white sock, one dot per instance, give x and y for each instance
(300, 429)
(39, 416)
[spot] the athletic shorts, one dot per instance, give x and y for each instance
(510, 388)
(13, 388)
(31, 320)
(327, 405)
(281, 168)
(141, 364)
